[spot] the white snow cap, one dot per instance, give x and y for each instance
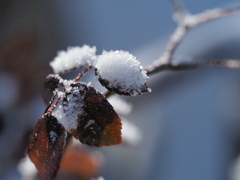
(74, 57)
(122, 71)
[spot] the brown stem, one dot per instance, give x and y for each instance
(51, 109)
(82, 74)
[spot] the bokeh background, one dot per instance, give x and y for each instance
(187, 128)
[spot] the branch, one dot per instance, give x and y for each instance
(174, 66)
(82, 74)
(185, 23)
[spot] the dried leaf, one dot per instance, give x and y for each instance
(52, 82)
(46, 146)
(98, 123)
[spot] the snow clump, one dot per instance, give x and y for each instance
(73, 58)
(121, 70)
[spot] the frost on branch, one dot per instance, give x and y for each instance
(89, 116)
(73, 58)
(46, 146)
(121, 73)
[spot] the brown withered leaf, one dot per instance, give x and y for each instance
(46, 146)
(98, 123)
(119, 89)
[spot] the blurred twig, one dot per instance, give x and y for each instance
(185, 22)
(174, 66)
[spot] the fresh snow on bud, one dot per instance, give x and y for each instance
(73, 58)
(121, 71)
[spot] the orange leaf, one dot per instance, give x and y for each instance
(98, 123)
(46, 146)
(81, 162)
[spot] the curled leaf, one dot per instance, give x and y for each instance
(89, 116)
(46, 146)
(120, 72)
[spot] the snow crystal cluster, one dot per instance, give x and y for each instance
(73, 102)
(74, 57)
(121, 70)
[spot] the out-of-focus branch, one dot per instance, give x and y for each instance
(186, 22)
(174, 66)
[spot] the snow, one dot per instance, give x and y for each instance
(74, 57)
(53, 136)
(89, 123)
(67, 113)
(121, 70)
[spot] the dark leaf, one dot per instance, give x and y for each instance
(98, 123)
(120, 89)
(52, 82)
(46, 146)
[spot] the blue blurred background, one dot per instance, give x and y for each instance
(190, 122)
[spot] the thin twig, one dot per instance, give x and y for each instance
(51, 101)
(82, 74)
(210, 15)
(173, 66)
(51, 109)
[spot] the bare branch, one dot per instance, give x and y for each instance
(51, 109)
(174, 66)
(209, 15)
(82, 74)
(185, 23)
